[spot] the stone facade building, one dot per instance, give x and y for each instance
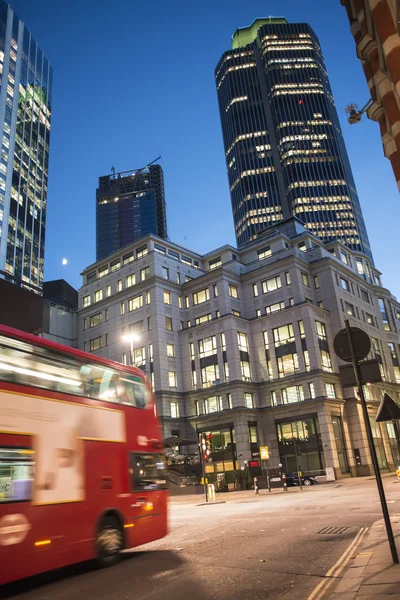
(239, 343)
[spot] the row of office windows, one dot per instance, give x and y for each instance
(298, 393)
(140, 252)
(215, 404)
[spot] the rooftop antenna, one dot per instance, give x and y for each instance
(113, 170)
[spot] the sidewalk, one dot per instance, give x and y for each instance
(371, 574)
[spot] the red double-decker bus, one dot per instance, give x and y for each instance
(82, 470)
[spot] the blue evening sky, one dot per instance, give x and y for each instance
(135, 79)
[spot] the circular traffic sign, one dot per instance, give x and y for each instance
(360, 340)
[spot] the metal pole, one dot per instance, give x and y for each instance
(372, 450)
(297, 463)
(203, 469)
(266, 468)
(132, 353)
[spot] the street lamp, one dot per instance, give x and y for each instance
(131, 338)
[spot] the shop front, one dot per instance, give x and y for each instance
(300, 445)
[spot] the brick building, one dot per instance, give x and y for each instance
(375, 26)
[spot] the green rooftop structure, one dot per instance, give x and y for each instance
(244, 36)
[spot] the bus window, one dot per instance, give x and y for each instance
(133, 391)
(148, 472)
(17, 467)
(26, 365)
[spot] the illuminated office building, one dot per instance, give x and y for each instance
(129, 205)
(25, 114)
(284, 148)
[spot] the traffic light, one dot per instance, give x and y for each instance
(206, 446)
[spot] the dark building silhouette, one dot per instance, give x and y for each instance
(285, 153)
(129, 205)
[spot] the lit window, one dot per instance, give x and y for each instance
(142, 251)
(168, 323)
(236, 313)
(287, 278)
(248, 401)
(86, 301)
(213, 404)
(271, 284)
(360, 266)
(180, 302)
(255, 290)
(344, 284)
(98, 295)
(316, 282)
(202, 319)
(349, 309)
(311, 389)
(202, 296)
(215, 289)
(174, 409)
(127, 258)
(170, 350)
(122, 308)
(242, 341)
(135, 303)
(344, 257)
(144, 274)
(274, 307)
(130, 280)
(264, 253)
(233, 291)
(330, 390)
(293, 394)
(96, 344)
(119, 285)
(369, 319)
(108, 291)
(172, 379)
(167, 297)
(214, 264)
(148, 297)
(274, 398)
(283, 335)
(304, 279)
(95, 320)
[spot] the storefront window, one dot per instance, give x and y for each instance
(340, 447)
(301, 437)
(380, 451)
(223, 451)
(393, 443)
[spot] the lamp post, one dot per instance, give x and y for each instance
(131, 338)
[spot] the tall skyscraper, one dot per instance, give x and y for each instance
(25, 114)
(284, 148)
(129, 205)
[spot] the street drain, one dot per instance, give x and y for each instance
(332, 530)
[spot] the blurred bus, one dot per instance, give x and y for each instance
(82, 469)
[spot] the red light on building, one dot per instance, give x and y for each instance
(300, 101)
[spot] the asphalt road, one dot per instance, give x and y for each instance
(251, 547)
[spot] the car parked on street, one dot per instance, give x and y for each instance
(292, 479)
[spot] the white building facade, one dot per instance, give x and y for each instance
(239, 344)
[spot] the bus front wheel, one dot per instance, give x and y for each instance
(109, 542)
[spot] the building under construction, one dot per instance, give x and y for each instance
(129, 205)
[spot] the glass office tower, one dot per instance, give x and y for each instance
(25, 115)
(129, 205)
(284, 148)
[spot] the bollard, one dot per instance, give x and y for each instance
(284, 482)
(256, 486)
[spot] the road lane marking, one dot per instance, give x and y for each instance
(337, 568)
